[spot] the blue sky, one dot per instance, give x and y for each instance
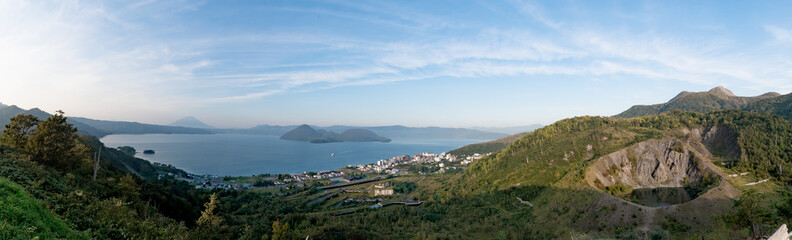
(414, 63)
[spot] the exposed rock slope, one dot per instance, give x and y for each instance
(668, 162)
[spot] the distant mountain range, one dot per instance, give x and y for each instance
(390, 131)
(423, 132)
(101, 128)
(307, 133)
(718, 98)
(122, 127)
(190, 122)
(7, 113)
(510, 130)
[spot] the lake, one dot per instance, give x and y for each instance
(661, 197)
(245, 155)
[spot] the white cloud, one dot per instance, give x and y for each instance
(62, 58)
(79, 56)
(780, 34)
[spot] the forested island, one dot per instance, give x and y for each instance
(307, 133)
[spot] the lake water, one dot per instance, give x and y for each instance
(245, 155)
(661, 197)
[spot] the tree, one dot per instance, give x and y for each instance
(52, 142)
(209, 222)
(279, 231)
(785, 207)
(18, 131)
(748, 212)
(208, 217)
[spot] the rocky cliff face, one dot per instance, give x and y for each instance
(669, 162)
(722, 141)
(650, 164)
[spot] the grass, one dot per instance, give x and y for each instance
(21, 217)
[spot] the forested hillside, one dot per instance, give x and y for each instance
(47, 159)
(718, 98)
(781, 106)
(487, 147)
(536, 188)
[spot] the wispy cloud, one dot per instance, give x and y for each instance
(780, 34)
(537, 13)
(144, 56)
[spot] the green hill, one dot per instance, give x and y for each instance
(559, 160)
(302, 133)
(22, 217)
(487, 147)
(781, 105)
(125, 201)
(360, 135)
(718, 98)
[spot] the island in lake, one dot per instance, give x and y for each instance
(307, 133)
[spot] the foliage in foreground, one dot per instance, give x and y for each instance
(22, 217)
(51, 162)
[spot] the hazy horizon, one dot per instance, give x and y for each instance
(446, 64)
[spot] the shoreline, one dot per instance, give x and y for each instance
(217, 153)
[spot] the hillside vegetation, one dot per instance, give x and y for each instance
(718, 98)
(781, 106)
(22, 217)
(487, 147)
(50, 161)
(553, 183)
(537, 189)
(556, 158)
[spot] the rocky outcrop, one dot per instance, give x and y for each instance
(722, 142)
(668, 162)
(650, 164)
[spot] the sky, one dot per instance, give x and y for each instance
(367, 63)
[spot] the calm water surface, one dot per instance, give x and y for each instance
(661, 197)
(244, 155)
